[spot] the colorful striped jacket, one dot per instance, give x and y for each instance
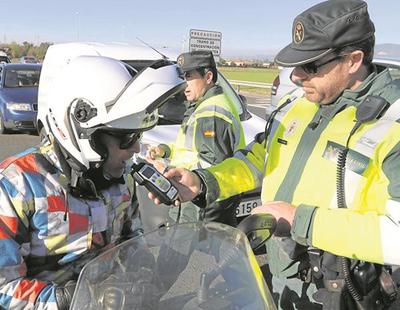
(46, 235)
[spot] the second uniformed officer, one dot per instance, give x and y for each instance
(211, 131)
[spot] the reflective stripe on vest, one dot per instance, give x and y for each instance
(289, 129)
(358, 178)
(257, 174)
(221, 113)
(320, 166)
(367, 190)
(185, 153)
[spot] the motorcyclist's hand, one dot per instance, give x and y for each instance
(156, 152)
(64, 295)
(139, 294)
(186, 181)
(132, 283)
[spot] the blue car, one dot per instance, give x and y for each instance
(18, 96)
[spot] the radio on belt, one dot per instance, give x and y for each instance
(145, 174)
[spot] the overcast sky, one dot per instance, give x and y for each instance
(253, 27)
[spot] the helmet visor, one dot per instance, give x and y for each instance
(126, 140)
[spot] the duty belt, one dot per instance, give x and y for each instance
(313, 268)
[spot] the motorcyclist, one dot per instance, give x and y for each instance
(70, 198)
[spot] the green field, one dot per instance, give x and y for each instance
(251, 75)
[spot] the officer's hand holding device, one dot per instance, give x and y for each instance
(145, 174)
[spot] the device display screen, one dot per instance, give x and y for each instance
(148, 172)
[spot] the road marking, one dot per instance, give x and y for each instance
(260, 106)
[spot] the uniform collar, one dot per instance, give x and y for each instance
(371, 85)
(213, 91)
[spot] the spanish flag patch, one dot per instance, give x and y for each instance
(209, 133)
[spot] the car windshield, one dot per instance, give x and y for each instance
(173, 110)
(21, 78)
(230, 92)
(4, 59)
(30, 60)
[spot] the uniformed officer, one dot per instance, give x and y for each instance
(211, 131)
(328, 166)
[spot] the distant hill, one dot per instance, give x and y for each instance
(387, 50)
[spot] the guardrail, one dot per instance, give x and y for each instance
(239, 83)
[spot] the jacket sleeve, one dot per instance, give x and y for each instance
(132, 226)
(215, 139)
(16, 290)
(235, 175)
(370, 236)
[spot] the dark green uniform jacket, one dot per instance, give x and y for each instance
(298, 164)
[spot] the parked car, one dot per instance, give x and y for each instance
(28, 60)
(4, 58)
(18, 96)
(171, 114)
(282, 84)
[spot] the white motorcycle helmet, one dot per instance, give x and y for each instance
(98, 93)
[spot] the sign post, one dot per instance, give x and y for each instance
(204, 40)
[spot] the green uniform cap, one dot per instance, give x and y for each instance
(324, 27)
(195, 60)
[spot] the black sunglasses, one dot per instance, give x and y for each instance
(126, 140)
(313, 67)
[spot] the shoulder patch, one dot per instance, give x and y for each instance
(209, 133)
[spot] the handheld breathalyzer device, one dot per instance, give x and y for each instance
(146, 175)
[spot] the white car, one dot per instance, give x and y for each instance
(282, 84)
(4, 57)
(171, 113)
(28, 60)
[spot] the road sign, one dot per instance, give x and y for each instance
(204, 40)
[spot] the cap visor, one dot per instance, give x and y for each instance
(290, 57)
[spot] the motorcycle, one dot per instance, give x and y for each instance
(185, 266)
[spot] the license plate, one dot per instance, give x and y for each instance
(245, 207)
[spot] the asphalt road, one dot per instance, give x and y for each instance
(14, 143)
(257, 104)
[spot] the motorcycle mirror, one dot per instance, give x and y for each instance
(258, 228)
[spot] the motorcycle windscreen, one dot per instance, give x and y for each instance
(186, 266)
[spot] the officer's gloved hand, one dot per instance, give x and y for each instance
(156, 152)
(114, 298)
(64, 295)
